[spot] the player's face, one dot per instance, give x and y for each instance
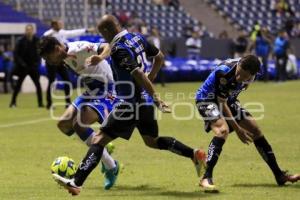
(57, 56)
(243, 76)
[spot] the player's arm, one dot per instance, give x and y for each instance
(158, 59)
(75, 32)
(222, 96)
(127, 62)
(49, 32)
(144, 82)
(103, 52)
(243, 134)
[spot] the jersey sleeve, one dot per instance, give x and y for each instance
(221, 81)
(81, 46)
(125, 59)
(150, 49)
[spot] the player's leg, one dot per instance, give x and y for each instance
(148, 129)
(119, 123)
(215, 122)
(51, 74)
(265, 150)
(63, 72)
(35, 77)
(86, 117)
(21, 76)
(65, 123)
(87, 165)
(221, 130)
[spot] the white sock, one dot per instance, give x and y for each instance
(107, 160)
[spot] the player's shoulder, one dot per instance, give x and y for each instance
(227, 65)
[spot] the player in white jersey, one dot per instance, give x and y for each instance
(62, 36)
(96, 102)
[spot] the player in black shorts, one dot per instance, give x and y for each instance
(218, 105)
(128, 53)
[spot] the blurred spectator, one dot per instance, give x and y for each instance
(7, 66)
(283, 7)
(27, 62)
(174, 3)
(194, 45)
(136, 24)
(289, 26)
(154, 38)
(281, 47)
(254, 31)
(296, 31)
(123, 17)
(61, 35)
(158, 2)
(240, 45)
(262, 48)
(223, 35)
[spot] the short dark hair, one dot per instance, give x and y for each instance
(250, 63)
(47, 45)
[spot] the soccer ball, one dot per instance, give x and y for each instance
(64, 166)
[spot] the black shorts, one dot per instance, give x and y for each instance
(210, 112)
(125, 117)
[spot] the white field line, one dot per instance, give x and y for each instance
(25, 123)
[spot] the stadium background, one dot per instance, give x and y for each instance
(30, 139)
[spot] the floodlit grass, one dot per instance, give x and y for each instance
(29, 142)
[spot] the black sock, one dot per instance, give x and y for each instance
(266, 152)
(214, 151)
(87, 165)
(171, 144)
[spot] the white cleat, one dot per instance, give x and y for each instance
(68, 184)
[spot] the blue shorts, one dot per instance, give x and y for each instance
(102, 106)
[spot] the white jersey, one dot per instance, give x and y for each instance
(94, 75)
(62, 35)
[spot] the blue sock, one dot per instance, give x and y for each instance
(85, 135)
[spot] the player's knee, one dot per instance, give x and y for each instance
(150, 142)
(65, 127)
(256, 133)
(223, 132)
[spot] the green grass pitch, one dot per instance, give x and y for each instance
(29, 142)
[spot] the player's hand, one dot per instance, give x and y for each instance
(162, 106)
(93, 60)
(244, 135)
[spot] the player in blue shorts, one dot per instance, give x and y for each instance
(220, 108)
(128, 53)
(96, 102)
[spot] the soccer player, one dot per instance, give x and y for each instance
(221, 110)
(93, 105)
(128, 52)
(62, 36)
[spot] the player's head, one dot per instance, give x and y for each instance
(247, 68)
(29, 30)
(109, 27)
(52, 50)
(282, 33)
(56, 25)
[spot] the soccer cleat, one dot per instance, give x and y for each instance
(111, 176)
(68, 184)
(12, 105)
(199, 161)
(285, 177)
(208, 185)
